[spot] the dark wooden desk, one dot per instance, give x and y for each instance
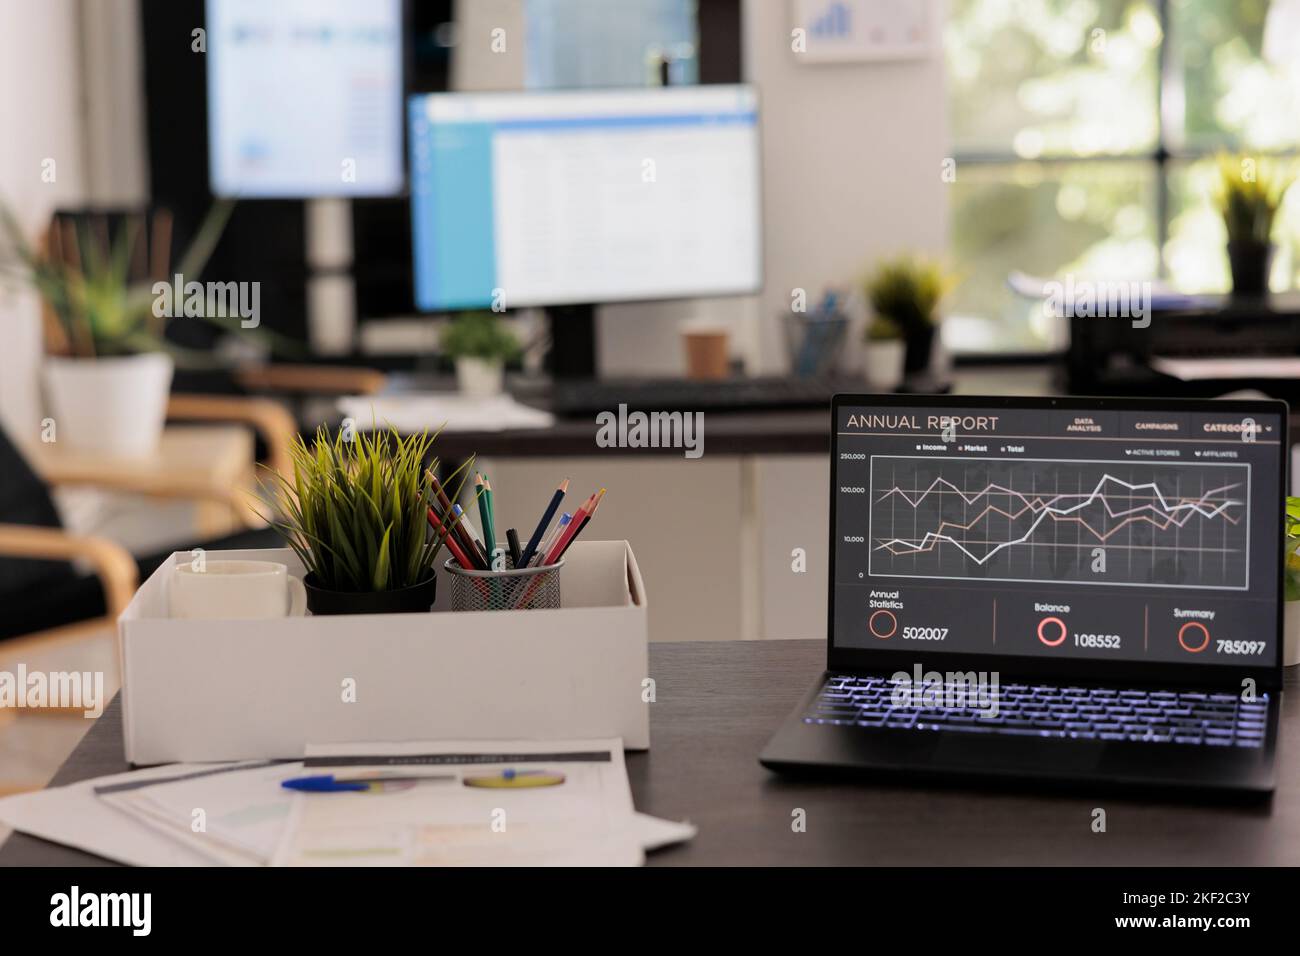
(766, 432)
(743, 433)
(716, 705)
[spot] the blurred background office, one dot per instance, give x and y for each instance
(820, 195)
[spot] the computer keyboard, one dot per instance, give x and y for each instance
(1044, 710)
(650, 395)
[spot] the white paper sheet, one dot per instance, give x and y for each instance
(234, 818)
(75, 817)
(417, 411)
(1247, 367)
(147, 817)
(586, 820)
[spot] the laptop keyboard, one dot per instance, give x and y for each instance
(1044, 710)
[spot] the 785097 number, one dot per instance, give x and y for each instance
(1240, 647)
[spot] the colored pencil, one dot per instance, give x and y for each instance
(490, 518)
(562, 541)
(457, 528)
(458, 522)
(461, 557)
(475, 545)
(585, 521)
(512, 538)
(545, 523)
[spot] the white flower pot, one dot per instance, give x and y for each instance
(114, 406)
(1291, 633)
(481, 378)
(883, 364)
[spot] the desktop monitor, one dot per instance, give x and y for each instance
(304, 98)
(576, 197)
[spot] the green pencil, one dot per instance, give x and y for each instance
(485, 513)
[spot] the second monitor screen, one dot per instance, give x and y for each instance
(575, 197)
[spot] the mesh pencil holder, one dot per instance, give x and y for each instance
(515, 589)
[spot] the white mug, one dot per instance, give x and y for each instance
(227, 590)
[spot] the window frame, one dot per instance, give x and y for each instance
(1163, 157)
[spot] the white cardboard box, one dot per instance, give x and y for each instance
(234, 690)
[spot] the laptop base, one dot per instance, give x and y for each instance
(936, 756)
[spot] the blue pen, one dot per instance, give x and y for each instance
(324, 784)
(331, 783)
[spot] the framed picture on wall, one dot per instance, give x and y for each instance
(845, 31)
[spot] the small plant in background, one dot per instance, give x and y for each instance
(1249, 193)
(99, 308)
(355, 512)
(479, 335)
(481, 345)
(1249, 202)
(907, 291)
(1291, 549)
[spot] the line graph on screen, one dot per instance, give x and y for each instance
(1175, 524)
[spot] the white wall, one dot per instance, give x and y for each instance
(852, 156)
(476, 63)
(40, 121)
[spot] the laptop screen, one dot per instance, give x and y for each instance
(1066, 530)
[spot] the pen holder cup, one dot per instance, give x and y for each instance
(814, 343)
(515, 589)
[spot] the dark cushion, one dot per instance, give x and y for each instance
(53, 604)
(24, 500)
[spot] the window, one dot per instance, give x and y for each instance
(1084, 133)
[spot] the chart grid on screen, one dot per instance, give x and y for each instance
(1134, 523)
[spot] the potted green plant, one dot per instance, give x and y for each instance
(355, 513)
(108, 369)
(907, 291)
(885, 353)
(1291, 581)
(481, 345)
(1249, 194)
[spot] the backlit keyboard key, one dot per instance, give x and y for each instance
(1188, 717)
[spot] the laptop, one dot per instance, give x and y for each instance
(1051, 590)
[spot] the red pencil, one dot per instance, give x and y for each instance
(574, 523)
(585, 521)
(452, 546)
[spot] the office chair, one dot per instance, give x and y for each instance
(44, 600)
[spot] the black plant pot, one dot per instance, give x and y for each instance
(416, 599)
(1250, 262)
(920, 349)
